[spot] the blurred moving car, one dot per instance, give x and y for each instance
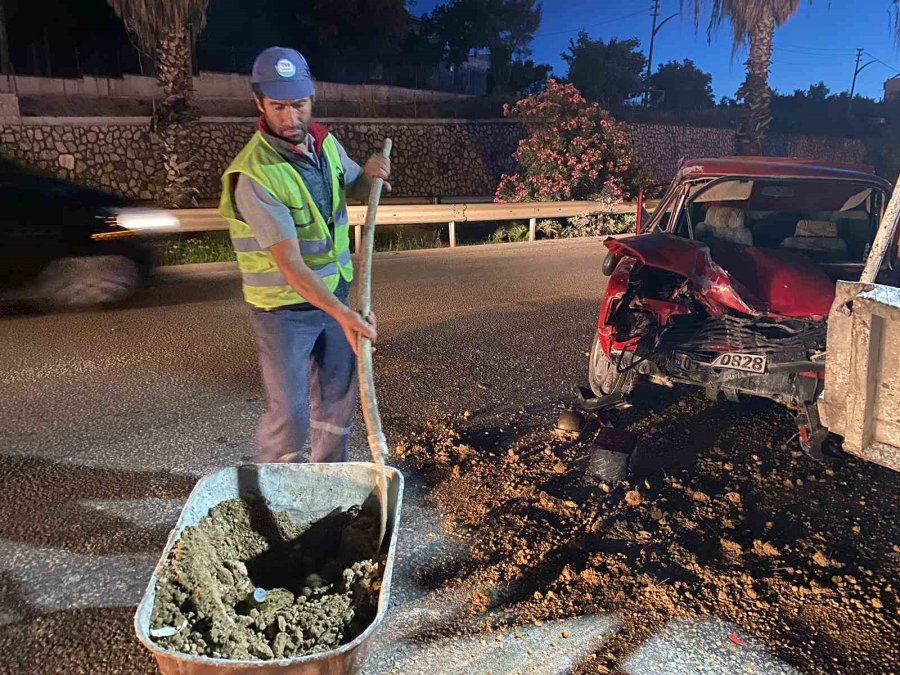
(64, 245)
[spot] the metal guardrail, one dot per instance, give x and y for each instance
(398, 215)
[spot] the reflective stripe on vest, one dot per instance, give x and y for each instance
(264, 284)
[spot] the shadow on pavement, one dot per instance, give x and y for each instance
(183, 289)
(75, 641)
(39, 505)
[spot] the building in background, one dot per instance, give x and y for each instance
(469, 77)
(892, 89)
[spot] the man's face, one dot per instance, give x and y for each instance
(288, 119)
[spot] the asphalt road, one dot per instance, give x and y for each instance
(109, 418)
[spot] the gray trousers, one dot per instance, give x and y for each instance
(309, 376)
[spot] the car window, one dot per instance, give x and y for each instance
(662, 213)
(827, 221)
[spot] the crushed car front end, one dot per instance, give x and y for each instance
(732, 294)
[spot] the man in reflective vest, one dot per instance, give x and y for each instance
(284, 198)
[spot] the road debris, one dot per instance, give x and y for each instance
(734, 544)
(736, 639)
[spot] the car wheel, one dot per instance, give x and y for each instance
(603, 376)
(84, 282)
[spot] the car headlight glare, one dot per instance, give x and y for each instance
(147, 220)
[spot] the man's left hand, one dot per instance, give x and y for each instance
(379, 167)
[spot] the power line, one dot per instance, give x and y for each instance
(817, 49)
(794, 64)
(788, 50)
(593, 25)
(886, 65)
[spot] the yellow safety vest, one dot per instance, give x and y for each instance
(264, 285)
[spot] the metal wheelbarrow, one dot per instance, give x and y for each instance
(307, 492)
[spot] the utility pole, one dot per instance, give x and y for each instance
(655, 13)
(856, 71)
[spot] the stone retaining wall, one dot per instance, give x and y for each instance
(431, 158)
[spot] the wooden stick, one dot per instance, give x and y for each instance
(377, 441)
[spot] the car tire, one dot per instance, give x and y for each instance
(607, 465)
(71, 283)
(603, 376)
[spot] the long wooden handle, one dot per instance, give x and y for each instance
(884, 238)
(377, 440)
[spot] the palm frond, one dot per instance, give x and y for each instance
(897, 19)
(149, 19)
(742, 14)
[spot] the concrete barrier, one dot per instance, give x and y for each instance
(206, 85)
(9, 109)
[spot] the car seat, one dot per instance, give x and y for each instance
(817, 236)
(724, 223)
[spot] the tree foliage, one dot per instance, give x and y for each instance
(527, 77)
(606, 72)
(504, 27)
(897, 19)
(499, 25)
(744, 16)
(166, 31)
(330, 35)
(574, 150)
(355, 31)
(151, 20)
(683, 85)
(752, 21)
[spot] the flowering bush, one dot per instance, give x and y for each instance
(574, 150)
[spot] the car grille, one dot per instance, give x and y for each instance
(740, 334)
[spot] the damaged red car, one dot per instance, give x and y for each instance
(729, 284)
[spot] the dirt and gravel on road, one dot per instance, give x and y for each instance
(801, 555)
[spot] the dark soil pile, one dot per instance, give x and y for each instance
(802, 555)
(320, 590)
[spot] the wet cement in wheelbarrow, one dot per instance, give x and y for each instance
(322, 582)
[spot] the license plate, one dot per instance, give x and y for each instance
(751, 363)
(684, 362)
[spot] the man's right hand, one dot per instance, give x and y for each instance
(308, 285)
(355, 326)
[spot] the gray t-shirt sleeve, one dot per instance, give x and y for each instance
(355, 182)
(268, 218)
(352, 170)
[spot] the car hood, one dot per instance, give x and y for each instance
(747, 279)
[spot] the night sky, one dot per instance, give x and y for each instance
(818, 43)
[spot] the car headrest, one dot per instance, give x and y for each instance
(816, 228)
(725, 217)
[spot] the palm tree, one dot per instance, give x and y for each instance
(752, 21)
(897, 18)
(165, 30)
(4, 42)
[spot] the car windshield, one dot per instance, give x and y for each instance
(828, 221)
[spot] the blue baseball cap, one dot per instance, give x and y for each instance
(282, 74)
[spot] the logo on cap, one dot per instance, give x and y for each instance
(285, 68)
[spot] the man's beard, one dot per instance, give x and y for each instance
(299, 135)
